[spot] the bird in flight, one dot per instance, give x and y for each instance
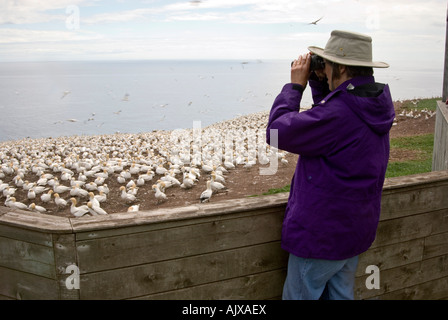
(315, 22)
(195, 3)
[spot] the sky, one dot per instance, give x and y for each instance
(404, 32)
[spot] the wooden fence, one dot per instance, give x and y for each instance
(440, 153)
(223, 250)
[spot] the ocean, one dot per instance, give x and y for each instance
(53, 99)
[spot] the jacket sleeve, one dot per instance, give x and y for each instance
(319, 89)
(308, 133)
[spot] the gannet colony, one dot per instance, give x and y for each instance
(74, 172)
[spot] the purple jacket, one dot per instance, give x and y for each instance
(343, 142)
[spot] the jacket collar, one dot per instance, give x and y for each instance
(347, 85)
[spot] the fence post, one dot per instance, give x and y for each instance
(445, 71)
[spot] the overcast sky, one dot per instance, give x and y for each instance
(404, 32)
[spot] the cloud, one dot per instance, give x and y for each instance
(219, 28)
(20, 12)
(9, 35)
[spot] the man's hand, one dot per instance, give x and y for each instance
(300, 70)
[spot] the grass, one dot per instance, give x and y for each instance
(429, 104)
(423, 144)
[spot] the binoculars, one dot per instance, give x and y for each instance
(317, 63)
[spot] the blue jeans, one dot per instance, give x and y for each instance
(313, 279)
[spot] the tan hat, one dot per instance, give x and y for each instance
(350, 49)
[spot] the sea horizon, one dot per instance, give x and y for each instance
(88, 97)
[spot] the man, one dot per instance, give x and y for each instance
(343, 142)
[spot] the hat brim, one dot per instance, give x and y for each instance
(348, 62)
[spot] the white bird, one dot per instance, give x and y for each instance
(99, 181)
(229, 165)
(207, 194)
(130, 184)
(148, 176)
(77, 191)
(42, 181)
(36, 208)
(91, 186)
(78, 211)
(58, 188)
(104, 188)
(12, 203)
(65, 93)
(102, 197)
(95, 209)
(134, 208)
(3, 186)
(74, 182)
(167, 177)
(217, 177)
(92, 199)
(59, 201)
(161, 170)
(126, 97)
(8, 191)
(216, 186)
(121, 179)
(127, 196)
(133, 190)
(46, 197)
(206, 168)
(187, 183)
(140, 181)
(31, 194)
(158, 193)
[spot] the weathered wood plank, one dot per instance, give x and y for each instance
(391, 256)
(439, 221)
(26, 235)
(431, 290)
(261, 286)
(21, 285)
(65, 256)
(134, 249)
(154, 225)
(404, 277)
(36, 221)
(414, 200)
(419, 179)
(403, 229)
(28, 257)
(181, 273)
(440, 153)
(226, 207)
(436, 245)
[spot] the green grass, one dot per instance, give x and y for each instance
(429, 104)
(423, 145)
(279, 190)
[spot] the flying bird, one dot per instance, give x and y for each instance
(315, 22)
(65, 93)
(195, 2)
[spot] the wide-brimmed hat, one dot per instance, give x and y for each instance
(350, 49)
